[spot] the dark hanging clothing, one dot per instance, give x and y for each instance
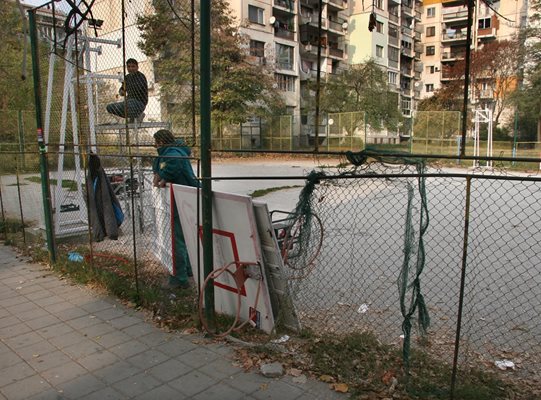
(106, 215)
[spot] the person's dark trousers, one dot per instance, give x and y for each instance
(134, 108)
(183, 268)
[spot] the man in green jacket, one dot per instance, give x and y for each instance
(173, 166)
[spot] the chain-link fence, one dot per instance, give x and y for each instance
(365, 238)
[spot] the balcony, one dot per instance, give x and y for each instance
(336, 53)
(486, 94)
(288, 5)
(284, 33)
(407, 72)
(455, 15)
(450, 36)
(393, 17)
(418, 67)
(337, 26)
(406, 31)
(452, 56)
(406, 52)
(486, 33)
(338, 4)
(407, 10)
(418, 15)
(393, 41)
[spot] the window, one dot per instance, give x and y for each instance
(284, 56)
(431, 12)
(393, 32)
(378, 4)
(430, 31)
(430, 50)
(257, 48)
(255, 14)
(379, 27)
(429, 87)
(285, 83)
(392, 77)
(484, 23)
(393, 53)
(379, 51)
(430, 69)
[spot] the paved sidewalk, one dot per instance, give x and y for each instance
(62, 341)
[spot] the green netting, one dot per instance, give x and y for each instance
(412, 301)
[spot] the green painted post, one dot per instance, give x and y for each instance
(206, 203)
(515, 134)
(43, 168)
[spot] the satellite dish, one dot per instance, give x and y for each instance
(272, 20)
(345, 25)
(417, 84)
(331, 121)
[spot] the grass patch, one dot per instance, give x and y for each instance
(373, 370)
(264, 192)
(69, 184)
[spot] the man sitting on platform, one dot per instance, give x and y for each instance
(135, 88)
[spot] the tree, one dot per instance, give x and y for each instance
(493, 79)
(239, 88)
(15, 93)
(527, 99)
(362, 87)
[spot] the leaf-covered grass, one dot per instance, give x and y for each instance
(264, 192)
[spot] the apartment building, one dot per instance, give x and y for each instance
(445, 23)
(284, 34)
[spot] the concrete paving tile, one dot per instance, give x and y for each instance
(148, 359)
(25, 388)
(249, 382)
(57, 307)
(277, 390)
(156, 338)
(128, 349)
(107, 394)
(98, 360)
(56, 330)
(117, 372)
(49, 360)
(163, 392)
(124, 321)
(22, 340)
(198, 357)
(175, 346)
(94, 305)
(83, 322)
(97, 330)
(43, 322)
(136, 385)
(71, 313)
(53, 284)
(219, 392)
(36, 349)
(9, 320)
(50, 300)
(23, 307)
(9, 359)
(140, 329)
(192, 383)
(65, 340)
(112, 339)
(220, 369)
(32, 314)
(63, 373)
(82, 349)
(109, 313)
(169, 370)
(51, 394)
(37, 295)
(14, 373)
(81, 386)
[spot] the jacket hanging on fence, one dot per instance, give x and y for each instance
(106, 215)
